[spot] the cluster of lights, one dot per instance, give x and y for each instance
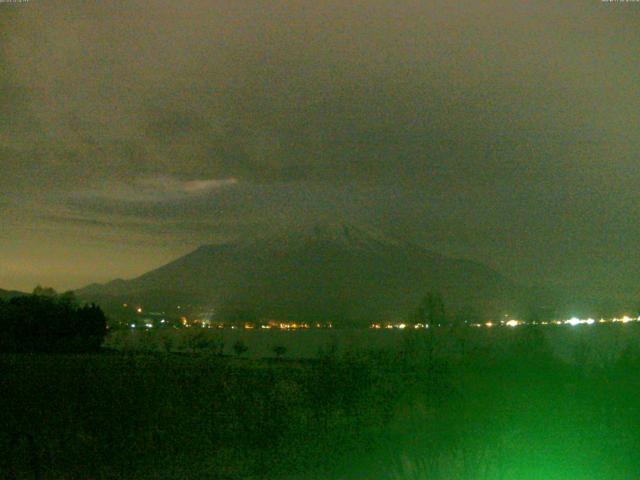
(398, 326)
(625, 319)
(574, 321)
(512, 323)
(291, 326)
(246, 326)
(577, 321)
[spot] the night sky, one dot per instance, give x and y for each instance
(501, 131)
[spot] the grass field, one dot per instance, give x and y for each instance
(506, 408)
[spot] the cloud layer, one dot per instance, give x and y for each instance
(499, 130)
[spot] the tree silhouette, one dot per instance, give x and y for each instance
(279, 350)
(41, 291)
(47, 322)
(431, 310)
(239, 347)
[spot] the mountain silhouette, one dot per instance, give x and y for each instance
(323, 272)
(9, 294)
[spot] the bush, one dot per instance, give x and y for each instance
(239, 347)
(279, 350)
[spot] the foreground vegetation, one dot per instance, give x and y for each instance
(412, 413)
(48, 322)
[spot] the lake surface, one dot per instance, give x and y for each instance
(592, 343)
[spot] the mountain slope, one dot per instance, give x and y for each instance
(328, 271)
(9, 294)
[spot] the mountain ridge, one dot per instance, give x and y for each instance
(9, 294)
(337, 271)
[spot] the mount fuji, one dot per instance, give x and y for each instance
(328, 271)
